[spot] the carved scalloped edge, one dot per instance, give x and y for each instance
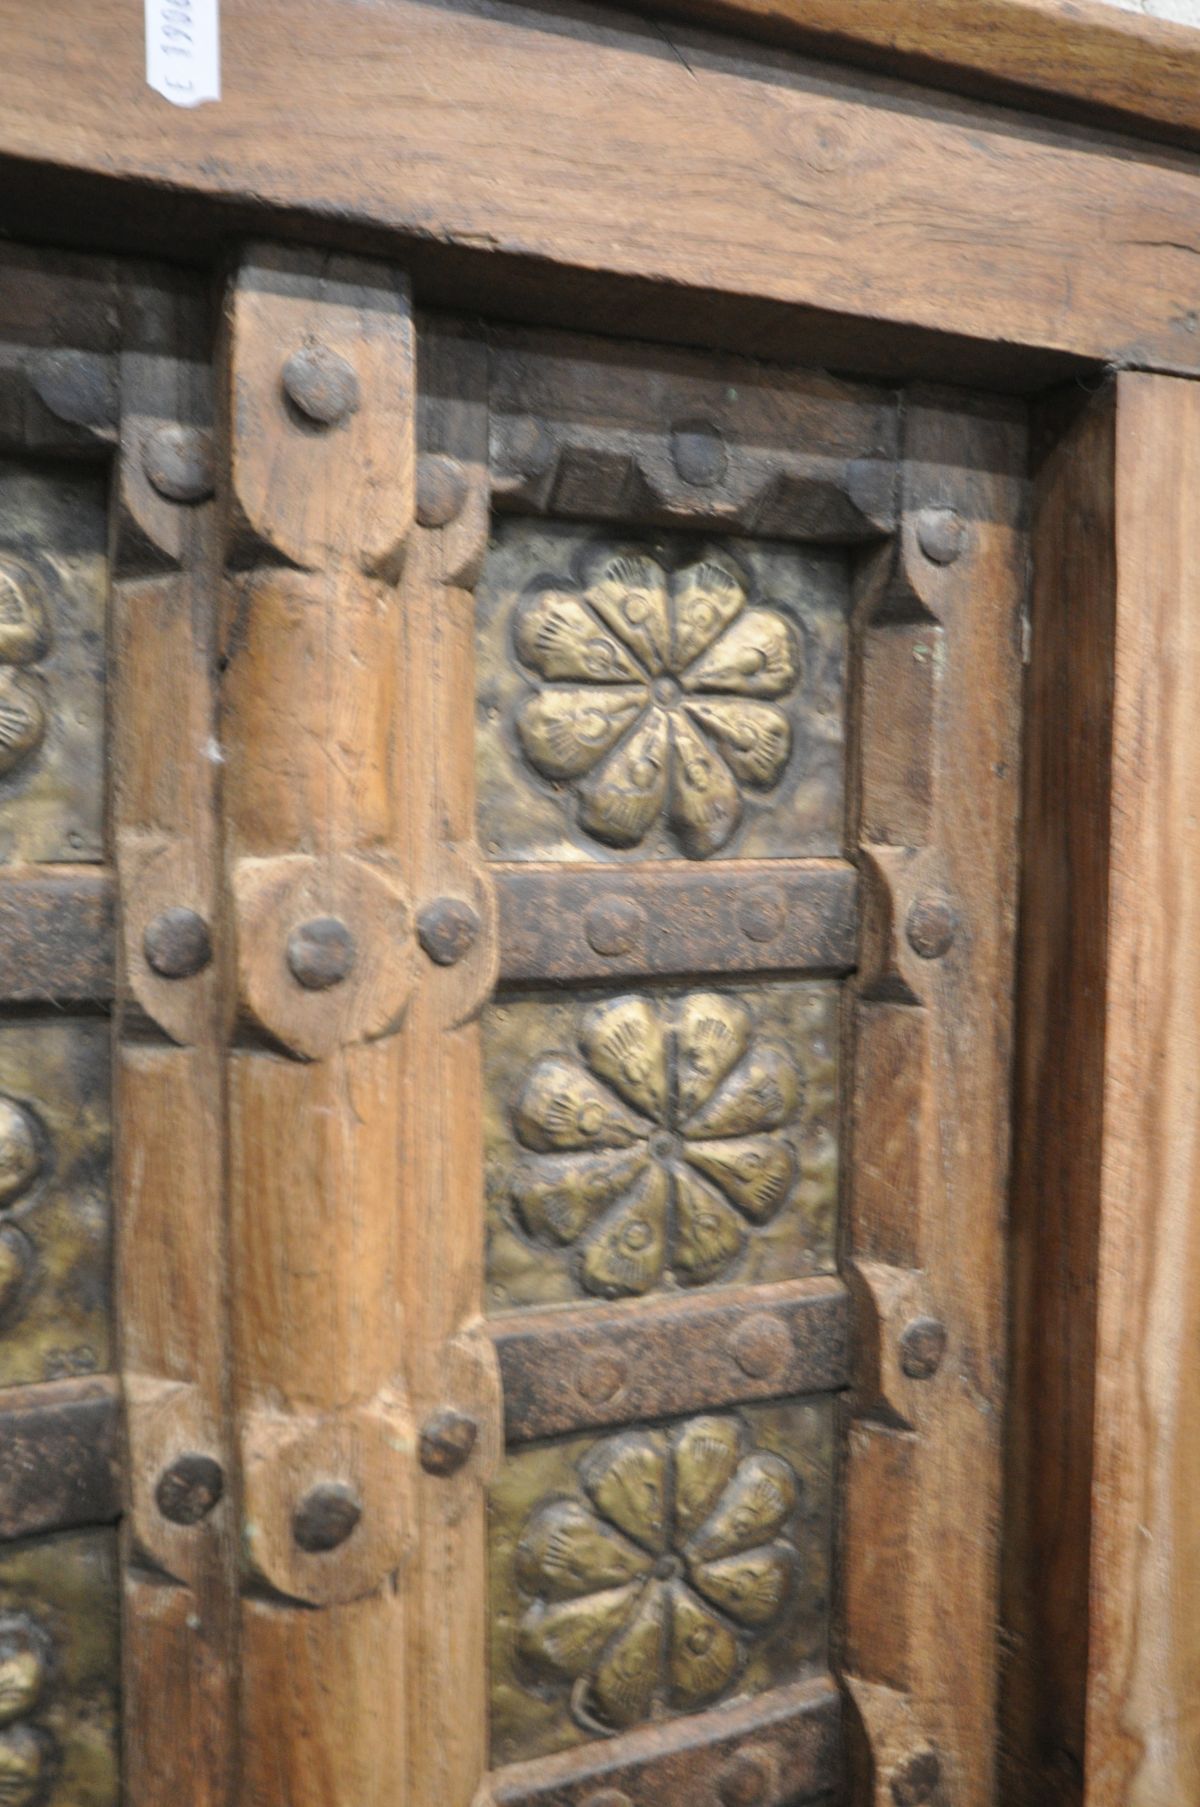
(896, 880)
(887, 1299)
(892, 1760)
(166, 1419)
(158, 873)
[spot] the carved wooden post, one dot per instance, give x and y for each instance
(318, 381)
(179, 1637)
(931, 1038)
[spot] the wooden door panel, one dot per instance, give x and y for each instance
(553, 920)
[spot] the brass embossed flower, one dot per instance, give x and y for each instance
(659, 696)
(648, 1598)
(656, 1151)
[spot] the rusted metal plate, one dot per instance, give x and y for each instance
(652, 1141)
(651, 1573)
(58, 1456)
(591, 428)
(568, 922)
(59, 1672)
(776, 1751)
(568, 1370)
(54, 1199)
(655, 699)
(53, 564)
(57, 937)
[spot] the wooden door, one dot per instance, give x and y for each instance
(510, 841)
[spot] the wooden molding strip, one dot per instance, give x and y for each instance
(1076, 58)
(654, 1359)
(595, 922)
(56, 935)
(58, 1456)
(775, 1750)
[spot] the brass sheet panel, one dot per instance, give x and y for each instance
(53, 576)
(54, 1199)
(654, 1572)
(58, 1671)
(642, 1141)
(660, 697)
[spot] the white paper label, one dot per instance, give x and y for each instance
(183, 50)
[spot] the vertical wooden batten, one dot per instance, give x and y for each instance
(1104, 1580)
(938, 731)
(180, 1652)
(318, 387)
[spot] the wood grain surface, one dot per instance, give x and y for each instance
(571, 162)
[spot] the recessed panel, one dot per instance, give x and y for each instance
(54, 1200)
(659, 1139)
(657, 1571)
(52, 662)
(659, 698)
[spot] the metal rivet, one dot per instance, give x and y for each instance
(941, 534)
(931, 927)
(321, 953)
(188, 1490)
(178, 462)
(915, 1779)
(698, 452)
(601, 1380)
(20, 1152)
(321, 384)
(747, 1779)
(326, 1517)
(79, 387)
(177, 943)
(922, 1346)
(762, 1346)
(441, 489)
(613, 925)
(519, 447)
(448, 929)
(762, 915)
(446, 1442)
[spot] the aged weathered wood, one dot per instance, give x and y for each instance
(59, 1456)
(656, 1359)
(598, 170)
(745, 916)
(937, 714)
(1104, 1586)
(316, 387)
(180, 1538)
(783, 1748)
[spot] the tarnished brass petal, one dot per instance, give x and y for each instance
(705, 805)
(568, 1637)
(566, 732)
(752, 1587)
(703, 1656)
(708, 1232)
(562, 1107)
(566, 1551)
(624, 1041)
(629, 593)
(619, 803)
(754, 1507)
(757, 656)
(626, 1479)
(559, 638)
(755, 1172)
(761, 1093)
(557, 1197)
(22, 1673)
(755, 738)
(22, 718)
(707, 1451)
(14, 1267)
(24, 623)
(712, 1036)
(24, 1759)
(705, 599)
(20, 1157)
(628, 1253)
(625, 1680)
